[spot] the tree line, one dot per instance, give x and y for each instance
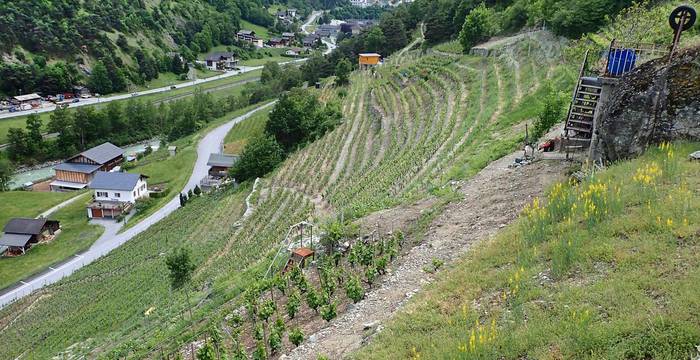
(136, 120)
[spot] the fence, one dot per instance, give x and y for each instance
(622, 57)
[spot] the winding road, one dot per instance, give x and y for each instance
(110, 239)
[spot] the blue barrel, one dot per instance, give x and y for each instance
(621, 61)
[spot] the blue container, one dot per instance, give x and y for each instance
(621, 61)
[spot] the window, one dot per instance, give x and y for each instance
(101, 194)
(117, 195)
(134, 193)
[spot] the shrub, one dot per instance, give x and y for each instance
(296, 336)
(354, 289)
(552, 112)
(328, 311)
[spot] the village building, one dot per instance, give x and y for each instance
(292, 12)
(289, 36)
(368, 60)
(327, 30)
(293, 52)
(115, 193)
(246, 35)
(220, 164)
(20, 234)
(81, 91)
(76, 172)
(311, 41)
(27, 101)
(277, 42)
(221, 61)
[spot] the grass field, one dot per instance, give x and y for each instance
(76, 235)
(260, 31)
(237, 138)
(551, 286)
(220, 87)
(28, 204)
(269, 54)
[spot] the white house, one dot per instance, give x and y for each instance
(115, 193)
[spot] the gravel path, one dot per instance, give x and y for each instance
(110, 240)
(492, 199)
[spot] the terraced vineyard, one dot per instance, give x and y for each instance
(408, 130)
(413, 127)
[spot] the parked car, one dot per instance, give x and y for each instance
(85, 96)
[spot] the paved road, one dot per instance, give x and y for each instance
(91, 101)
(110, 240)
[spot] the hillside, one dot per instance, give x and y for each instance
(606, 268)
(48, 47)
(398, 143)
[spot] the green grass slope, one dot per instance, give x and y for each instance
(405, 132)
(605, 269)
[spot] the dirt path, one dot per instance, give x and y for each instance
(492, 199)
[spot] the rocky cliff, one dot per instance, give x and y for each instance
(658, 101)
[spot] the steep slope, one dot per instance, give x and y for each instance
(604, 269)
(431, 120)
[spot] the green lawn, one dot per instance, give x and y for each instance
(28, 204)
(260, 31)
(76, 235)
(607, 269)
(20, 121)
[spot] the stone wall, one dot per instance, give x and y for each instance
(658, 101)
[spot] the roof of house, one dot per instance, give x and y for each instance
(246, 32)
(27, 97)
(303, 252)
(220, 55)
(370, 55)
(24, 226)
(101, 154)
(115, 181)
(275, 40)
(15, 239)
(222, 160)
(287, 34)
(67, 184)
(77, 167)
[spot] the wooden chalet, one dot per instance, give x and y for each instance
(220, 164)
(20, 234)
(76, 172)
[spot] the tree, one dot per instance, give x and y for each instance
(270, 72)
(375, 40)
(183, 199)
(34, 137)
(180, 265)
(6, 171)
(259, 157)
(478, 26)
(552, 112)
(342, 72)
(197, 191)
(99, 80)
(394, 32)
(19, 148)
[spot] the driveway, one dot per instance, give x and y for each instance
(110, 240)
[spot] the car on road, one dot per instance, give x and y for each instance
(134, 94)
(85, 96)
(172, 87)
(75, 100)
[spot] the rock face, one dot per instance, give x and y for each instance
(658, 101)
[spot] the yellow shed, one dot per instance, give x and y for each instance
(369, 59)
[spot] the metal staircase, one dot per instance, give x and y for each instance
(579, 122)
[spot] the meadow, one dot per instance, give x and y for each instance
(551, 285)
